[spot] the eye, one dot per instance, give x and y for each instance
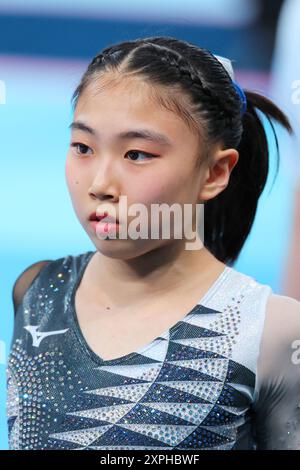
(136, 152)
(83, 148)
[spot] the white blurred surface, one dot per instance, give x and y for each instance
(225, 12)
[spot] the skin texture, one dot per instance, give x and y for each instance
(130, 271)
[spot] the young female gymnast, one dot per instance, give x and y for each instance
(142, 343)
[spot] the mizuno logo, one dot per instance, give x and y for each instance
(37, 336)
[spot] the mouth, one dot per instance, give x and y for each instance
(98, 217)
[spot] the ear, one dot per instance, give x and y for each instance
(217, 173)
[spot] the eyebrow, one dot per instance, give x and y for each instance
(146, 134)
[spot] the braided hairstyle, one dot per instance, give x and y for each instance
(214, 109)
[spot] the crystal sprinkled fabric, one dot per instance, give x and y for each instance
(190, 388)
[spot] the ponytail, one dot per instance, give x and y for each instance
(230, 216)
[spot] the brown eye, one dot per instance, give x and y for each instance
(135, 154)
(80, 148)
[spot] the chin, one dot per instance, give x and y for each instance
(124, 249)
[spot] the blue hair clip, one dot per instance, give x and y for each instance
(226, 63)
(242, 95)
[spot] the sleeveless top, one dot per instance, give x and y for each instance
(193, 387)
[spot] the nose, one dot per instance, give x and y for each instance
(105, 185)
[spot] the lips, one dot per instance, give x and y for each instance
(108, 218)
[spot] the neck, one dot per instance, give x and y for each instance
(127, 282)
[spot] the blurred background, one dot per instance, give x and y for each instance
(44, 49)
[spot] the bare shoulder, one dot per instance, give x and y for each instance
(24, 281)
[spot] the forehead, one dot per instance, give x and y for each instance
(124, 92)
(127, 99)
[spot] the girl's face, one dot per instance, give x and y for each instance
(102, 164)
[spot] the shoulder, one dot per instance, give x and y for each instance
(277, 303)
(277, 391)
(253, 295)
(44, 270)
(24, 281)
(281, 338)
(282, 323)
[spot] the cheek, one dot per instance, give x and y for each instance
(73, 176)
(68, 172)
(151, 191)
(168, 188)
